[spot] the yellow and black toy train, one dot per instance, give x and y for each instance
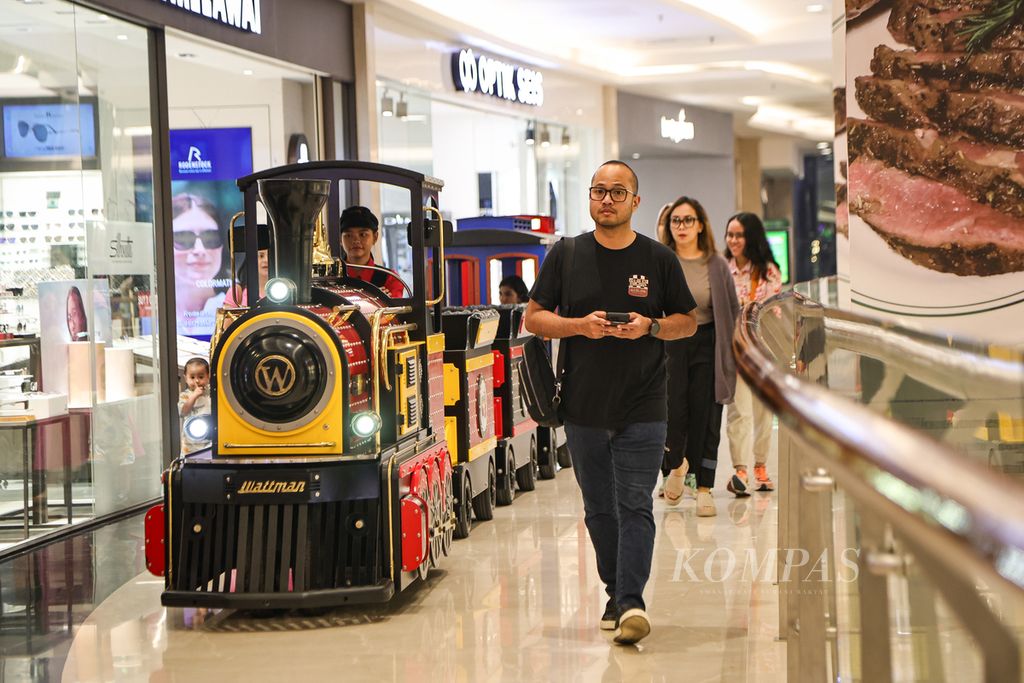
(353, 435)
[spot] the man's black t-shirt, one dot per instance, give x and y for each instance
(612, 382)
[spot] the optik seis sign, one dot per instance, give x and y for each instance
(483, 74)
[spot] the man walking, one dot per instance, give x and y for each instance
(613, 388)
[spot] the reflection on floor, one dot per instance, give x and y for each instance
(518, 600)
(46, 595)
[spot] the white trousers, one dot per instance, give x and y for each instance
(748, 420)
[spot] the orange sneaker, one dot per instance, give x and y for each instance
(764, 483)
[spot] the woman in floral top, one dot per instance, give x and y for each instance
(757, 277)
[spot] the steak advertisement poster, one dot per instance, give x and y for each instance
(205, 163)
(935, 134)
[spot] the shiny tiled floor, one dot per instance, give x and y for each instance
(518, 600)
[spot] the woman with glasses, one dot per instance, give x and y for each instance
(701, 369)
(198, 263)
(757, 277)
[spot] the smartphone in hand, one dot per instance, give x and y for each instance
(617, 318)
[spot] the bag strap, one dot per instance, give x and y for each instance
(563, 309)
(755, 282)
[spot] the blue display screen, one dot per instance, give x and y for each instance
(211, 153)
(49, 131)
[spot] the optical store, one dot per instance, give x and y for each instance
(124, 127)
(506, 136)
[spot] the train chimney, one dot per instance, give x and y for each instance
(293, 205)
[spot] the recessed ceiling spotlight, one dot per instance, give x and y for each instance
(636, 155)
(579, 111)
(247, 72)
(122, 36)
(815, 8)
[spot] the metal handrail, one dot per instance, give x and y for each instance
(943, 500)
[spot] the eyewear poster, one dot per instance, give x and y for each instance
(72, 311)
(49, 130)
(936, 223)
(205, 163)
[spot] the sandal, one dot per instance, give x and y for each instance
(674, 485)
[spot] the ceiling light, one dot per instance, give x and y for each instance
(121, 36)
(636, 155)
(387, 105)
(402, 108)
(751, 101)
(565, 139)
(530, 135)
(579, 111)
(823, 145)
(545, 137)
(247, 72)
(815, 8)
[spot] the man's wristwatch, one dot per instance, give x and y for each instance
(655, 328)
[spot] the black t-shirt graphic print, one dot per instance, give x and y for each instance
(612, 382)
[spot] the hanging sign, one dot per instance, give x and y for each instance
(241, 14)
(677, 130)
(493, 77)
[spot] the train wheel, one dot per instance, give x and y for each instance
(546, 458)
(463, 519)
(526, 476)
(448, 515)
(507, 482)
(564, 459)
(437, 523)
(483, 505)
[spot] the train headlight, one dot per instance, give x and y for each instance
(365, 424)
(198, 427)
(280, 290)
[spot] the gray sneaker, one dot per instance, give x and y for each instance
(634, 626)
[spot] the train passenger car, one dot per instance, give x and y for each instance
(329, 475)
(516, 454)
(483, 251)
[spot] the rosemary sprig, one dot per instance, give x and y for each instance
(982, 27)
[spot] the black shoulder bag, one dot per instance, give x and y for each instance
(543, 387)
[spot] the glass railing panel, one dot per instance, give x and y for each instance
(962, 393)
(922, 529)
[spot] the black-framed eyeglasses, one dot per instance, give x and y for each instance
(186, 239)
(688, 221)
(40, 131)
(618, 194)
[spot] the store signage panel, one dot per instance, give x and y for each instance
(120, 248)
(241, 14)
(211, 153)
(677, 129)
(493, 77)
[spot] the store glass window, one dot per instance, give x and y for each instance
(231, 114)
(492, 164)
(79, 385)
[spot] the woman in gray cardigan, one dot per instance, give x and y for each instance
(701, 368)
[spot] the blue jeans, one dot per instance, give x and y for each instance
(617, 471)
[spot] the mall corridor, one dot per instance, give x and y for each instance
(519, 600)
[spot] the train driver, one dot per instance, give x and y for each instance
(359, 232)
